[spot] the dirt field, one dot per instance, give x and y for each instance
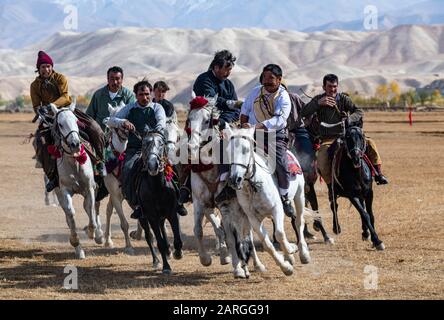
(409, 213)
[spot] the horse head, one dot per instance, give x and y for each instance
(171, 134)
(355, 145)
(241, 151)
(202, 117)
(153, 150)
(65, 128)
(119, 136)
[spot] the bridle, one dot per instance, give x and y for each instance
(251, 165)
(359, 150)
(57, 131)
(147, 145)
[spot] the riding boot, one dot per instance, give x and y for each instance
(52, 184)
(379, 177)
(286, 203)
(101, 169)
(137, 213)
(227, 193)
(181, 210)
(185, 191)
(102, 191)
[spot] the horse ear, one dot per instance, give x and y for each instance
(193, 94)
(72, 106)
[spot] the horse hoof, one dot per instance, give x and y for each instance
(239, 274)
(380, 247)
(167, 272)
(135, 236)
(293, 248)
(80, 254)
(287, 269)
(260, 268)
(225, 260)
(337, 230)
(178, 254)
(290, 259)
(99, 240)
(305, 258)
(129, 251)
(205, 260)
(365, 238)
(109, 244)
(329, 241)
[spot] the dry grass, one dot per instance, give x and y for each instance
(34, 246)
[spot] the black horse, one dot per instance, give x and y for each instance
(352, 179)
(157, 198)
(303, 140)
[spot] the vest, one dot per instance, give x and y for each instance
(264, 105)
(140, 117)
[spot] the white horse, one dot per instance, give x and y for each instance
(258, 196)
(205, 185)
(76, 175)
(118, 143)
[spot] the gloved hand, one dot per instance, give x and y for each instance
(222, 124)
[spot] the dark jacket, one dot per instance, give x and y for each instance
(168, 107)
(208, 85)
(331, 115)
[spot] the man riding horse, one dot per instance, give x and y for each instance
(52, 87)
(331, 108)
(267, 108)
(137, 117)
(211, 83)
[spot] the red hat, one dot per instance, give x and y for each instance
(198, 103)
(43, 58)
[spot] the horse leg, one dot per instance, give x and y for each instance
(165, 236)
(334, 209)
(117, 200)
(275, 242)
(156, 225)
(366, 218)
(137, 234)
(175, 226)
(232, 237)
(258, 227)
(94, 230)
(258, 265)
(310, 197)
(205, 258)
(65, 200)
(299, 224)
(369, 208)
(220, 234)
(149, 240)
(109, 213)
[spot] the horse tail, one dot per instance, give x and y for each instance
(244, 247)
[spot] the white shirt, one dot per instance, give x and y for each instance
(118, 120)
(282, 108)
(112, 95)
